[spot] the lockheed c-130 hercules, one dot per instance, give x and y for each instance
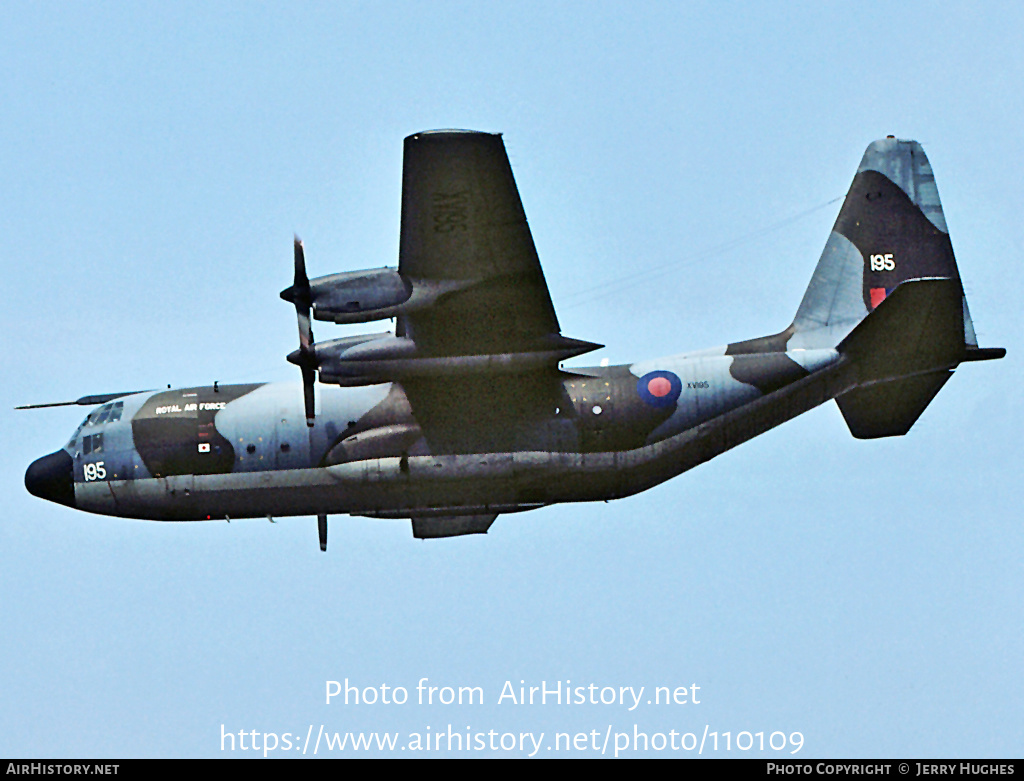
(466, 411)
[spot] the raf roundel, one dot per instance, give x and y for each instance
(660, 388)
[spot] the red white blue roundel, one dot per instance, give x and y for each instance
(660, 388)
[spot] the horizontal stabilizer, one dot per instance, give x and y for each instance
(984, 353)
(919, 327)
(451, 525)
(904, 352)
(889, 409)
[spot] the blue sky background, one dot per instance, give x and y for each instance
(155, 161)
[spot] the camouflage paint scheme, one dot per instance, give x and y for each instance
(465, 411)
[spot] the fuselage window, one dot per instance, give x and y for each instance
(102, 415)
(115, 411)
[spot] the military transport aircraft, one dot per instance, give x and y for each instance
(466, 411)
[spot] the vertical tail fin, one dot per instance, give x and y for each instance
(887, 293)
(890, 229)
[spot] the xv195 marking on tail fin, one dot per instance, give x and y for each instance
(466, 411)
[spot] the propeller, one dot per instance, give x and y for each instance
(305, 357)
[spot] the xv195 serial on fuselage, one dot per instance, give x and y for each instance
(466, 410)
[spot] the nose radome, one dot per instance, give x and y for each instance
(51, 478)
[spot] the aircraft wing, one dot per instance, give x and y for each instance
(463, 225)
(464, 231)
(476, 342)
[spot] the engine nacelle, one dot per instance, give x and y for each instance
(359, 296)
(375, 358)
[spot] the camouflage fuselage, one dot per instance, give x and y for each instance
(245, 450)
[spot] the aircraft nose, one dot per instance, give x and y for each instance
(51, 477)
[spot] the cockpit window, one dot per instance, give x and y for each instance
(108, 413)
(92, 444)
(74, 437)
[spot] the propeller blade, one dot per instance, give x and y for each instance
(301, 280)
(321, 527)
(305, 332)
(308, 378)
(300, 295)
(302, 298)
